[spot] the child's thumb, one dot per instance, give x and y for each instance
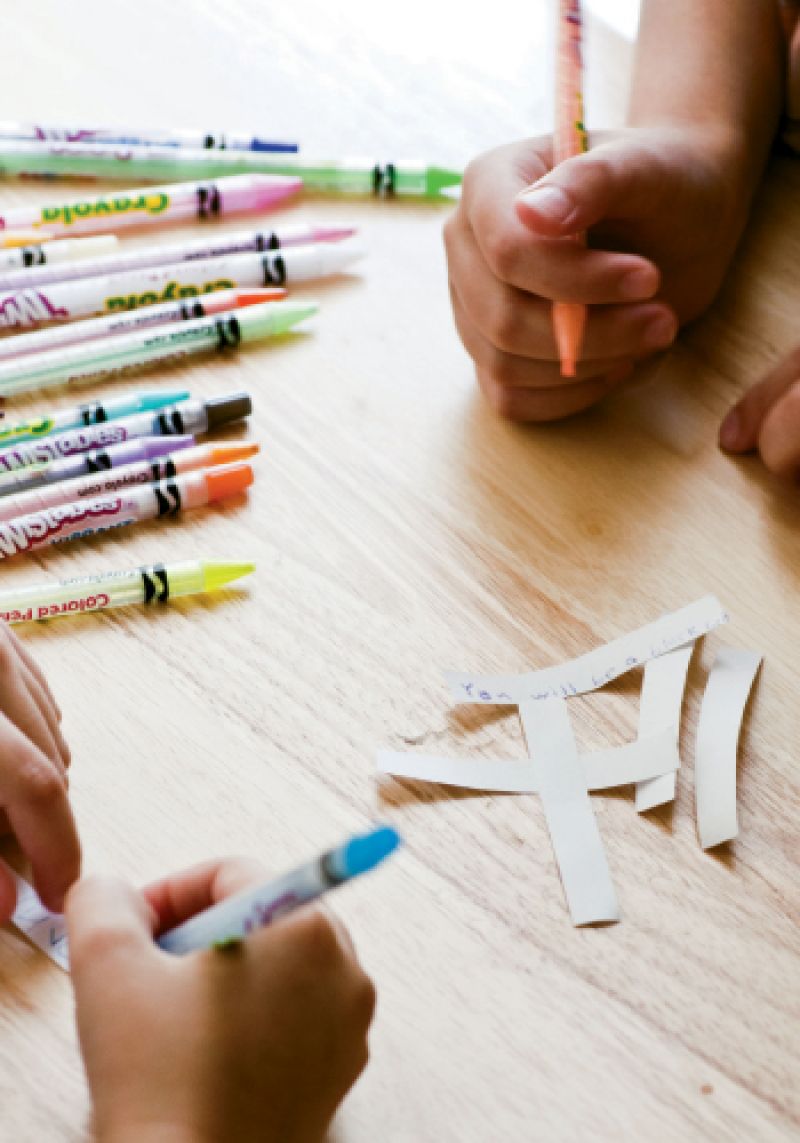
(108, 921)
(613, 181)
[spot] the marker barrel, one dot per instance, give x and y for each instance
(89, 517)
(150, 584)
(92, 361)
(351, 175)
(203, 199)
(117, 292)
(131, 321)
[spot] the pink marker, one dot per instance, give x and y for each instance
(88, 517)
(105, 482)
(148, 206)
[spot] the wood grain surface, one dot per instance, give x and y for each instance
(399, 528)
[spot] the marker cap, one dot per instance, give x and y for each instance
(227, 480)
(217, 574)
(222, 410)
(236, 299)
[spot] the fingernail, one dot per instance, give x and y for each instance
(660, 332)
(639, 283)
(550, 202)
(730, 431)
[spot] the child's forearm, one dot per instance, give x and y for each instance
(716, 64)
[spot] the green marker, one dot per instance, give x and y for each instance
(155, 583)
(93, 360)
(171, 164)
(92, 413)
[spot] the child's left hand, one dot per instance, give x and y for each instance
(767, 418)
(33, 778)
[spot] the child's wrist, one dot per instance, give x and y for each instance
(150, 1133)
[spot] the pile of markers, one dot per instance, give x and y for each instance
(95, 309)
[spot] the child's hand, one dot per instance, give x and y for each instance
(768, 419)
(664, 208)
(33, 778)
(258, 1042)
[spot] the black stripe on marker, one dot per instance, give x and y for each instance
(160, 572)
(327, 871)
(274, 269)
(229, 333)
(98, 461)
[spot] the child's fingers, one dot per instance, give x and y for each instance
(110, 926)
(739, 432)
(779, 439)
(20, 706)
(541, 405)
(34, 668)
(522, 324)
(556, 270)
(614, 180)
(177, 898)
(513, 371)
(48, 712)
(8, 895)
(34, 796)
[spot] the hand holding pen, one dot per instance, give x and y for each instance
(261, 1042)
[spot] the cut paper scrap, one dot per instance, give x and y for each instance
(721, 713)
(645, 759)
(597, 668)
(48, 931)
(573, 829)
(660, 705)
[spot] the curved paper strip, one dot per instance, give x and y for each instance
(596, 668)
(721, 714)
(47, 930)
(647, 758)
(660, 710)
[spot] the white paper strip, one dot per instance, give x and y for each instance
(660, 711)
(721, 714)
(47, 930)
(596, 668)
(573, 829)
(602, 769)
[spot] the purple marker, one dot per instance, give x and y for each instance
(88, 463)
(192, 416)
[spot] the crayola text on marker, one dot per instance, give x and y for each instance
(154, 203)
(171, 292)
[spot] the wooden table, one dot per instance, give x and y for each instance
(399, 528)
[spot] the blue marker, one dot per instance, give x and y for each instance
(126, 136)
(233, 919)
(92, 413)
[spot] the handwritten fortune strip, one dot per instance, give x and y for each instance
(660, 710)
(48, 931)
(640, 761)
(732, 675)
(596, 668)
(574, 835)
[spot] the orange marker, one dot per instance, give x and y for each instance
(10, 238)
(569, 318)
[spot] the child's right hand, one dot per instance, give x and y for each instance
(665, 207)
(33, 778)
(259, 1042)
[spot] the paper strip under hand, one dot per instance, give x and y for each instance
(48, 931)
(721, 714)
(596, 668)
(644, 759)
(660, 711)
(575, 837)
